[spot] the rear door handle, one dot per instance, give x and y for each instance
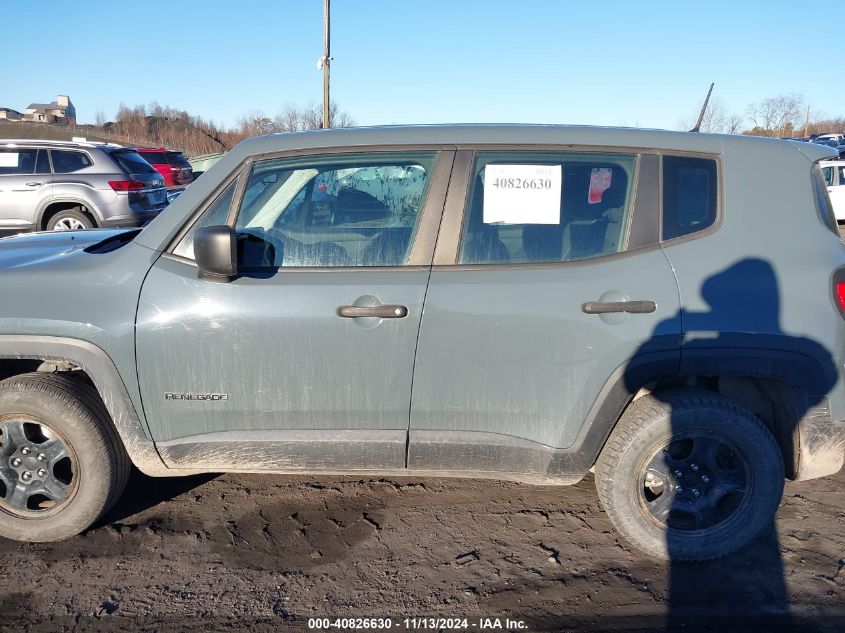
(34, 184)
(632, 307)
(380, 312)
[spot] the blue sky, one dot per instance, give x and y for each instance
(608, 62)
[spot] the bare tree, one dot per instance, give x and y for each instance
(734, 124)
(776, 116)
(716, 120)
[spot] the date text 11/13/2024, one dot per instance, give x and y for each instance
(418, 624)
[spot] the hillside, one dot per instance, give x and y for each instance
(150, 131)
(42, 131)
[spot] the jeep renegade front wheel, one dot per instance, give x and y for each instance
(688, 476)
(61, 463)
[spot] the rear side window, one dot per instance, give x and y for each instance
(66, 162)
(17, 161)
(132, 163)
(546, 207)
(178, 159)
(154, 158)
(827, 173)
(42, 164)
(690, 193)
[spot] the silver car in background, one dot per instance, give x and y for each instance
(61, 186)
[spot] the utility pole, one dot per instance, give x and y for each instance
(326, 63)
(807, 122)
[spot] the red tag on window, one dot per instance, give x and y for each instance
(600, 179)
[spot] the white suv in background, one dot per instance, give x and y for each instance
(834, 178)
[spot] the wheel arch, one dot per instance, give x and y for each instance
(66, 202)
(22, 354)
(781, 387)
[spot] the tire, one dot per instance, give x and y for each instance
(77, 488)
(73, 219)
(697, 521)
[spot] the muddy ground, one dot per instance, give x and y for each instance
(269, 552)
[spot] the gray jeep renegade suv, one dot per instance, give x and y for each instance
(60, 186)
(516, 302)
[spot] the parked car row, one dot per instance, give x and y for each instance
(836, 141)
(61, 186)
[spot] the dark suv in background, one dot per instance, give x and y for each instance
(169, 163)
(61, 186)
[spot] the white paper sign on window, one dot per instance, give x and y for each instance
(9, 159)
(522, 194)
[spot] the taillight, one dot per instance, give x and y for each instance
(122, 186)
(839, 290)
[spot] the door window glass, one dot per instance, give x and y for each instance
(827, 173)
(350, 210)
(546, 207)
(17, 161)
(65, 162)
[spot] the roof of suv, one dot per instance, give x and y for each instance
(513, 134)
(158, 150)
(14, 142)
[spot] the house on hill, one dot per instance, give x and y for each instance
(7, 114)
(60, 111)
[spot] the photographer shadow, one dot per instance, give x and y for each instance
(712, 484)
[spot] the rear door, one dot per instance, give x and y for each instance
(25, 185)
(305, 360)
(547, 295)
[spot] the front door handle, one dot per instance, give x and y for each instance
(379, 312)
(632, 307)
(34, 184)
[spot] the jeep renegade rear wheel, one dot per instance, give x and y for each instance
(61, 463)
(688, 476)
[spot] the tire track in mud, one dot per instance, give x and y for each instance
(265, 550)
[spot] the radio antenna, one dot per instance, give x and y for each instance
(697, 127)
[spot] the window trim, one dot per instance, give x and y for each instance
(425, 237)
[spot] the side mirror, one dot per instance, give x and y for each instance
(216, 252)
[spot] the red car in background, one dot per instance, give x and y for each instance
(169, 163)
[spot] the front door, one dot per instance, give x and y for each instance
(304, 361)
(545, 284)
